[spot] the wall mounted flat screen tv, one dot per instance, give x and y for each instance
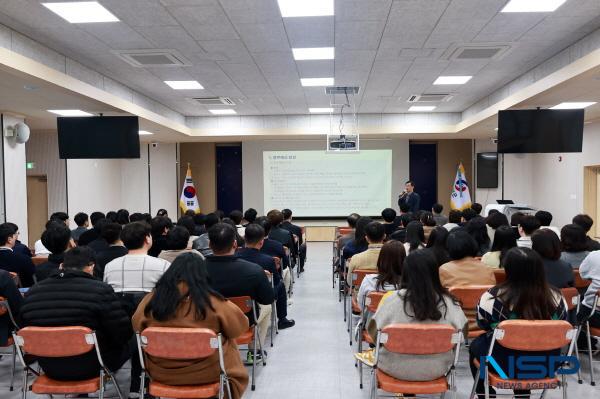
(540, 130)
(487, 170)
(97, 137)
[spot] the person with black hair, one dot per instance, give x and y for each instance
(367, 260)
(477, 228)
(122, 217)
(421, 300)
(111, 216)
(428, 222)
(525, 295)
(91, 303)
(160, 226)
(504, 239)
(177, 243)
(400, 233)
(111, 233)
(137, 217)
(199, 220)
(528, 224)
(162, 212)
(415, 237)
(275, 249)
(410, 197)
(494, 220)
(57, 238)
(255, 237)
(200, 244)
(359, 244)
(467, 215)
(558, 272)
(183, 298)
(586, 223)
(188, 223)
(346, 238)
(438, 216)
(60, 217)
(237, 217)
(93, 233)
(515, 221)
(12, 261)
(454, 220)
(83, 223)
(436, 244)
(232, 276)
(19, 247)
(389, 221)
(545, 219)
(9, 291)
(464, 269)
(477, 207)
(249, 216)
(278, 233)
(574, 245)
(296, 233)
(99, 244)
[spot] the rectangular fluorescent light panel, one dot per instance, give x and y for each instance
(305, 8)
(320, 110)
(573, 105)
(81, 12)
(422, 108)
(222, 111)
(315, 53)
(69, 112)
(532, 5)
(317, 82)
(145, 133)
(184, 84)
(452, 80)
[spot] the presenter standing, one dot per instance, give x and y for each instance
(410, 198)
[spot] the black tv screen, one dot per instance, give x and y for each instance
(487, 170)
(540, 130)
(95, 137)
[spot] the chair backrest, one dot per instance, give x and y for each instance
(580, 282)
(534, 335)
(38, 260)
(55, 341)
(179, 343)
(500, 275)
(344, 230)
(419, 339)
(469, 295)
(277, 261)
(359, 275)
(373, 299)
(572, 297)
(242, 302)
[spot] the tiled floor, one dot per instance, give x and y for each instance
(314, 359)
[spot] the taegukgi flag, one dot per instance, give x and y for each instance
(188, 199)
(460, 198)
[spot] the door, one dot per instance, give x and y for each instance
(423, 172)
(591, 196)
(37, 207)
(229, 177)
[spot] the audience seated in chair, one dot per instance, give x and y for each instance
(389, 221)
(57, 238)
(438, 216)
(504, 239)
(10, 292)
(187, 222)
(428, 222)
(559, 273)
(527, 226)
(177, 243)
(545, 219)
(82, 220)
(367, 260)
(464, 268)
(586, 223)
(477, 228)
(296, 231)
(436, 244)
(590, 270)
(346, 238)
(454, 219)
(12, 261)
(183, 299)
(278, 233)
(249, 216)
(237, 217)
(160, 226)
(359, 244)
(60, 217)
(201, 243)
(111, 233)
(91, 234)
(275, 249)
(400, 233)
(415, 237)
(574, 244)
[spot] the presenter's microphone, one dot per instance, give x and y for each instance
(404, 194)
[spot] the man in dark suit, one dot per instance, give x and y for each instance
(410, 197)
(297, 231)
(12, 261)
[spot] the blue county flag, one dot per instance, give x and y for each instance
(460, 198)
(188, 199)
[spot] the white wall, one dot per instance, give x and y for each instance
(164, 187)
(15, 190)
(252, 165)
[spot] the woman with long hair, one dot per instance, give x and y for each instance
(183, 298)
(428, 222)
(415, 237)
(558, 272)
(436, 244)
(477, 228)
(574, 244)
(504, 239)
(524, 295)
(421, 300)
(359, 244)
(389, 271)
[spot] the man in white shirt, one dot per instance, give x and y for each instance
(38, 247)
(545, 219)
(137, 271)
(528, 225)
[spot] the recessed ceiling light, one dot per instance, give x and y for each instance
(69, 112)
(320, 110)
(184, 84)
(317, 81)
(452, 80)
(144, 133)
(574, 105)
(422, 108)
(81, 12)
(532, 5)
(314, 53)
(225, 111)
(305, 8)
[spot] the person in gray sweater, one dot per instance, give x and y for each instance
(422, 300)
(590, 270)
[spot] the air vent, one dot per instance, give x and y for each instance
(215, 101)
(342, 90)
(479, 52)
(153, 58)
(429, 98)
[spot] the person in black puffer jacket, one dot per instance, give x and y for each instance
(73, 297)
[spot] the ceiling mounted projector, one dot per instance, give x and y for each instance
(20, 132)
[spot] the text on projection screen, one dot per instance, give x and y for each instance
(321, 184)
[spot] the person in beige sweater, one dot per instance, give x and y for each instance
(367, 260)
(464, 268)
(177, 244)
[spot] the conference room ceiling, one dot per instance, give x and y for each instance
(242, 48)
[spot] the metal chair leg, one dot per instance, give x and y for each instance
(101, 395)
(12, 372)
(590, 357)
(476, 380)
(579, 379)
(114, 380)
(253, 386)
(25, 383)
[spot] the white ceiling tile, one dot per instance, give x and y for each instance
(140, 12)
(170, 37)
(251, 11)
(310, 31)
(233, 50)
(360, 10)
(411, 21)
(247, 77)
(261, 38)
(363, 35)
(508, 27)
(315, 68)
(205, 22)
(117, 35)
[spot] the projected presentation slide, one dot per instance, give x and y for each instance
(321, 184)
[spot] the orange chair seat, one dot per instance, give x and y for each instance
(393, 385)
(527, 384)
(184, 391)
(366, 337)
(46, 385)
(246, 338)
(476, 333)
